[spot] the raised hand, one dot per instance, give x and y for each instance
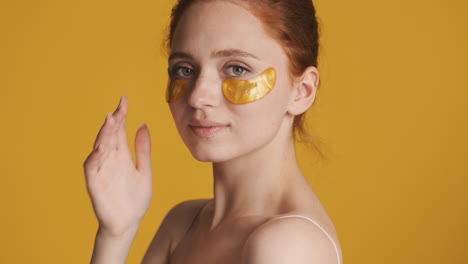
(120, 189)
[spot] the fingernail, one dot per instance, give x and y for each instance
(143, 125)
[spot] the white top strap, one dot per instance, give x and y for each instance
(320, 227)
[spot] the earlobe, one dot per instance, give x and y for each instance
(305, 88)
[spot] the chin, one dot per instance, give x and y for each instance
(204, 158)
(211, 152)
(209, 155)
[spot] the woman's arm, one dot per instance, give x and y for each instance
(120, 189)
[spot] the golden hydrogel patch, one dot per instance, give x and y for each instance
(248, 91)
(175, 90)
(235, 90)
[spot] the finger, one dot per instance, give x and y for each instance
(102, 138)
(121, 119)
(107, 136)
(121, 110)
(143, 150)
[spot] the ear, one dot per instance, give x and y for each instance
(304, 90)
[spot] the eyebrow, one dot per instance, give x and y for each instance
(233, 53)
(180, 55)
(217, 54)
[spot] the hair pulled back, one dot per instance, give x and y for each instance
(292, 23)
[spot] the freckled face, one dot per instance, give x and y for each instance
(214, 42)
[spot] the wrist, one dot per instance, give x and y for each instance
(116, 235)
(112, 247)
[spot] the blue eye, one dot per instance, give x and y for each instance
(182, 72)
(236, 70)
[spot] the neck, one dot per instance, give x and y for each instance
(255, 184)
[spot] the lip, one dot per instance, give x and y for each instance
(206, 128)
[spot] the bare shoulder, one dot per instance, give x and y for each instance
(289, 240)
(172, 229)
(183, 212)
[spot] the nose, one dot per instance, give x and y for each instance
(206, 92)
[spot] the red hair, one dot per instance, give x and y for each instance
(290, 22)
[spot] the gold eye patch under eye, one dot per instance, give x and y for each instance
(248, 91)
(175, 90)
(236, 91)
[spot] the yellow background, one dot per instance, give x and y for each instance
(391, 115)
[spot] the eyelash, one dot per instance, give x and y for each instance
(244, 70)
(176, 72)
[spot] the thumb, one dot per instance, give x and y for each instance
(143, 150)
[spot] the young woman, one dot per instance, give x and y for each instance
(242, 73)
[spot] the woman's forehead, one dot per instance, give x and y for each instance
(220, 26)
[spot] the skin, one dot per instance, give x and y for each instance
(235, 90)
(255, 170)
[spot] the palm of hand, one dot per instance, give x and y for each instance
(120, 190)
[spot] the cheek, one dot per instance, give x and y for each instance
(262, 116)
(175, 90)
(270, 109)
(177, 114)
(259, 126)
(248, 91)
